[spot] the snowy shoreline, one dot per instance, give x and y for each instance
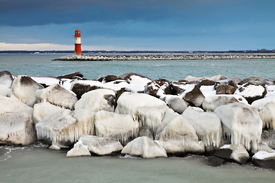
(164, 57)
(226, 119)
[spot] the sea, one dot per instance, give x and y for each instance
(36, 163)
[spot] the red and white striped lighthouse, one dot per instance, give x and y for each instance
(77, 43)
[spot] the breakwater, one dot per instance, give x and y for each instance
(164, 57)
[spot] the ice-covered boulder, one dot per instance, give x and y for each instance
(117, 126)
(264, 159)
(42, 110)
(237, 153)
(24, 88)
(268, 137)
(176, 103)
(98, 145)
(145, 131)
(210, 103)
(57, 95)
(97, 100)
(64, 127)
(8, 105)
(144, 147)
(178, 136)
(193, 95)
(143, 108)
(267, 115)
(241, 123)
(79, 149)
(251, 92)
(259, 104)
(6, 80)
(207, 125)
(17, 128)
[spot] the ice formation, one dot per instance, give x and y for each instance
(267, 115)
(79, 149)
(207, 126)
(57, 95)
(8, 105)
(100, 145)
(117, 126)
(24, 88)
(16, 128)
(145, 109)
(97, 100)
(177, 135)
(210, 103)
(65, 127)
(144, 147)
(176, 103)
(241, 123)
(42, 110)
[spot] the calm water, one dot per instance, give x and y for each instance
(39, 164)
(41, 64)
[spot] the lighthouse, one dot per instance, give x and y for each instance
(77, 43)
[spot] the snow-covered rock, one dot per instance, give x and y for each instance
(176, 103)
(251, 92)
(24, 88)
(259, 104)
(145, 109)
(98, 145)
(144, 147)
(80, 88)
(42, 110)
(237, 153)
(241, 123)
(45, 80)
(8, 105)
(210, 103)
(178, 135)
(268, 137)
(57, 95)
(207, 126)
(6, 80)
(267, 115)
(97, 100)
(17, 128)
(158, 88)
(117, 126)
(264, 159)
(79, 149)
(193, 95)
(253, 80)
(65, 127)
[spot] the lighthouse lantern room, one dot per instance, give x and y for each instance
(77, 43)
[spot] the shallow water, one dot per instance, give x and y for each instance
(39, 164)
(44, 165)
(41, 64)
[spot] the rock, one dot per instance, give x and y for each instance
(262, 146)
(177, 88)
(147, 110)
(206, 82)
(117, 126)
(253, 80)
(225, 89)
(9, 105)
(42, 110)
(195, 79)
(207, 125)
(218, 78)
(194, 96)
(109, 78)
(70, 76)
(6, 80)
(214, 161)
(57, 95)
(264, 159)
(17, 128)
(251, 92)
(144, 147)
(241, 123)
(99, 145)
(237, 153)
(210, 103)
(268, 137)
(267, 114)
(144, 131)
(78, 150)
(178, 136)
(24, 88)
(65, 127)
(79, 89)
(176, 103)
(96, 100)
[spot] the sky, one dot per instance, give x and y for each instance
(156, 25)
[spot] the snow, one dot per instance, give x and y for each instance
(263, 155)
(117, 126)
(96, 100)
(145, 109)
(207, 125)
(208, 91)
(45, 80)
(241, 123)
